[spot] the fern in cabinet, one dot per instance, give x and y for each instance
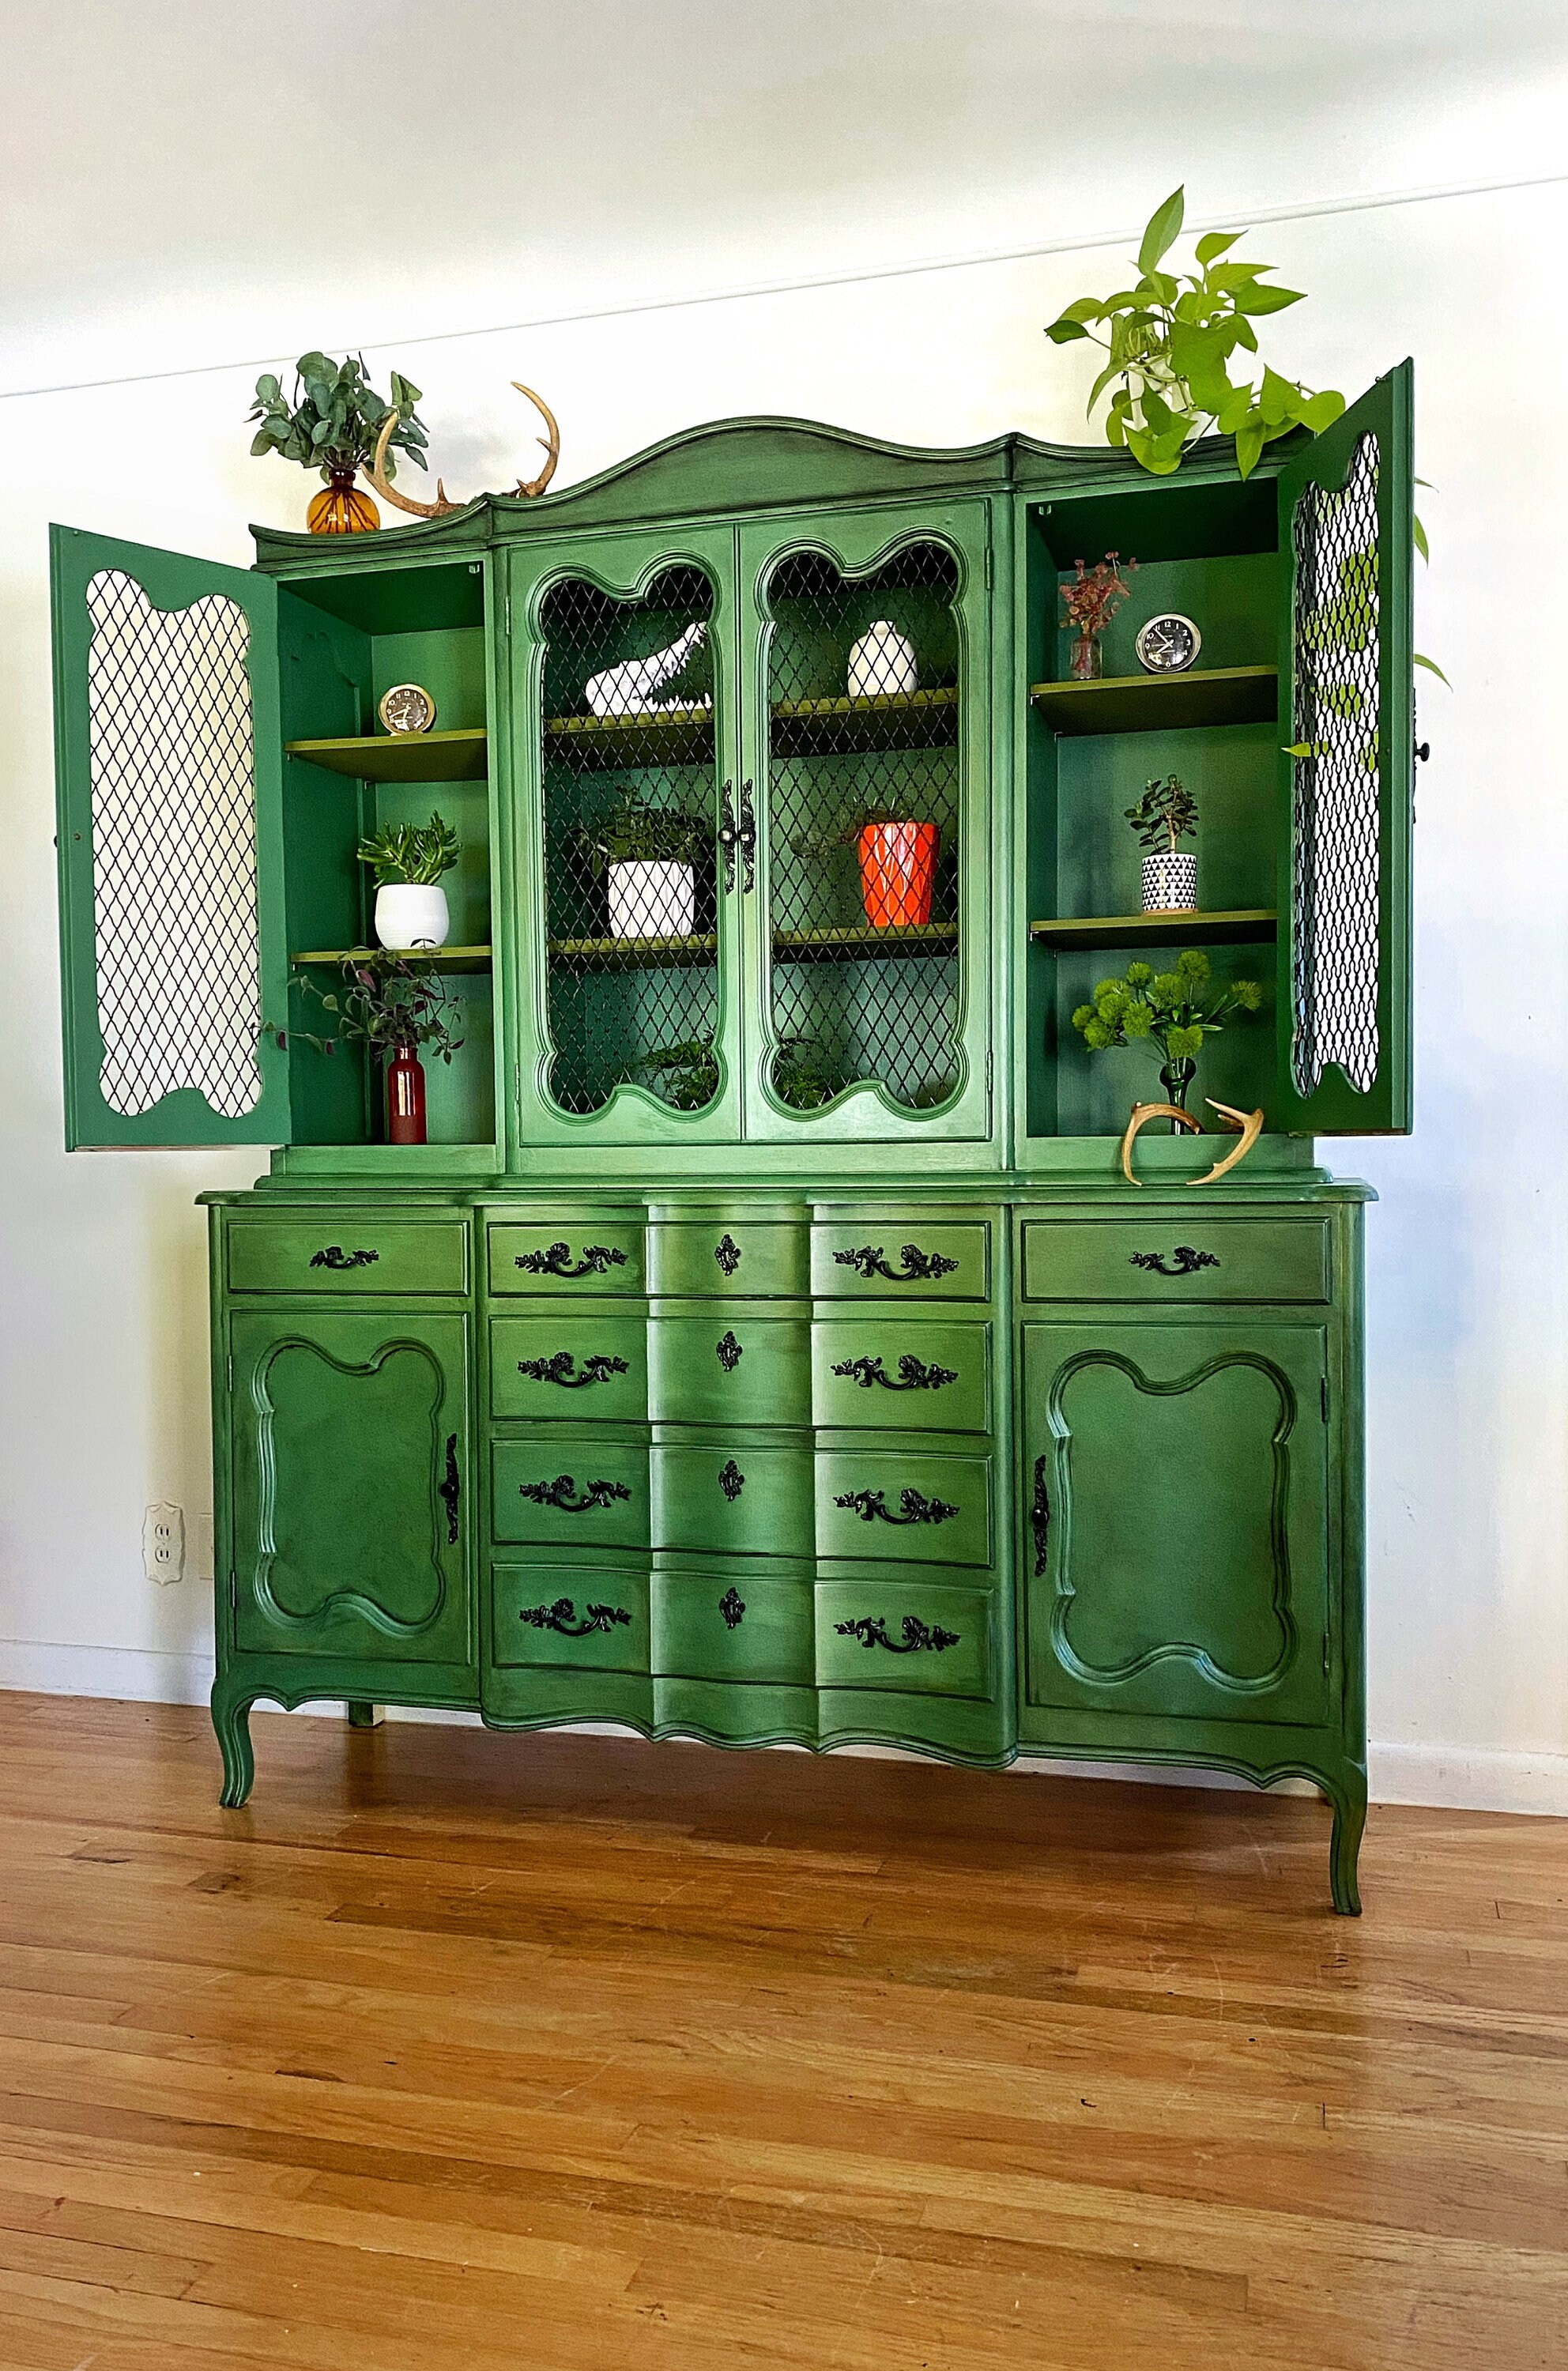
(766, 1345)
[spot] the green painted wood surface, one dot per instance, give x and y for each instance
(583, 1617)
(566, 1364)
(1202, 1257)
(570, 1489)
(748, 1628)
(315, 1254)
(738, 1494)
(1156, 703)
(902, 1373)
(1255, 925)
(900, 1255)
(737, 1363)
(921, 1639)
(435, 757)
(604, 1256)
(755, 1259)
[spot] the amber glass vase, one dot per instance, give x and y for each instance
(340, 508)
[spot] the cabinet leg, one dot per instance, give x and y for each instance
(366, 1716)
(1350, 1817)
(231, 1719)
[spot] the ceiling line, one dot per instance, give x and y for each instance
(1366, 202)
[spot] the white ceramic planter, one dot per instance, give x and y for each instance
(882, 662)
(652, 900)
(411, 914)
(1170, 883)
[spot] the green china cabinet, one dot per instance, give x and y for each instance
(766, 1344)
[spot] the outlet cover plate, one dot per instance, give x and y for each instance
(163, 1543)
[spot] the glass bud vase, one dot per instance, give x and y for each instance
(1086, 663)
(340, 508)
(1176, 1078)
(405, 1097)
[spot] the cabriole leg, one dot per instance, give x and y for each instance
(1349, 1796)
(231, 1719)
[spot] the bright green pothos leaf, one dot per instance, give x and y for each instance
(1162, 229)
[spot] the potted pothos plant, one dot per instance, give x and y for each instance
(1165, 816)
(409, 859)
(686, 1074)
(332, 424)
(394, 1009)
(647, 856)
(1173, 1010)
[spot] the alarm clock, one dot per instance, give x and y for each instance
(1168, 644)
(407, 708)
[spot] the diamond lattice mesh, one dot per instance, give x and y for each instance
(172, 766)
(864, 736)
(1336, 845)
(628, 768)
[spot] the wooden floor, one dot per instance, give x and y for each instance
(457, 2052)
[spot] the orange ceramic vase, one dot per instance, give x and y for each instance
(898, 865)
(341, 509)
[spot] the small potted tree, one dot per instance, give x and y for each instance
(647, 856)
(1165, 816)
(1174, 1010)
(409, 861)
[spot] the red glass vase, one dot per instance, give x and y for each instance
(405, 1097)
(898, 868)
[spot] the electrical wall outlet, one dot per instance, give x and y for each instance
(163, 1543)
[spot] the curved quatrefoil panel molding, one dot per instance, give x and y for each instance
(352, 1457)
(174, 923)
(1170, 1515)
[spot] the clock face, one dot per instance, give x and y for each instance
(407, 708)
(1168, 643)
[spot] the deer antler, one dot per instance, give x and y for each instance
(551, 443)
(1251, 1125)
(1142, 1115)
(377, 473)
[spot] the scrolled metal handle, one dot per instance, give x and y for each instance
(916, 1267)
(450, 1489)
(335, 1257)
(1188, 1261)
(563, 1493)
(727, 836)
(1039, 1519)
(560, 1368)
(563, 1616)
(914, 1374)
(872, 1507)
(746, 837)
(558, 1261)
(918, 1637)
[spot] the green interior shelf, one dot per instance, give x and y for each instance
(1155, 703)
(622, 955)
(438, 958)
(864, 944)
(459, 757)
(1231, 928)
(656, 736)
(901, 720)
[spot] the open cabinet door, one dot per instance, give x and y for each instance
(168, 772)
(1346, 703)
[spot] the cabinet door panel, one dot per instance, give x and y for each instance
(1175, 1491)
(351, 1456)
(867, 651)
(734, 1364)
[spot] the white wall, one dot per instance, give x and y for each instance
(101, 1275)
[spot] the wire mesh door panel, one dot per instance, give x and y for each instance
(170, 866)
(871, 922)
(630, 715)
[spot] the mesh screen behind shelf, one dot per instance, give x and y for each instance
(629, 751)
(172, 767)
(1337, 806)
(863, 676)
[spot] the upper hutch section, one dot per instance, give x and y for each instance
(811, 690)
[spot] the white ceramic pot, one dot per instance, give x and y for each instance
(652, 899)
(881, 661)
(1170, 883)
(411, 914)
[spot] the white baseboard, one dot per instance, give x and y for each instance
(1460, 1778)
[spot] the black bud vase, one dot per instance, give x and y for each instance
(1176, 1078)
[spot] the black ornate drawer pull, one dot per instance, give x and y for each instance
(916, 1266)
(450, 1488)
(562, 1616)
(562, 1493)
(732, 1606)
(872, 1507)
(728, 1352)
(914, 1375)
(561, 1369)
(1188, 1261)
(871, 1631)
(556, 1261)
(336, 1257)
(731, 1481)
(1040, 1518)
(727, 1254)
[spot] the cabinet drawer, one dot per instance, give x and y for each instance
(587, 1617)
(740, 1498)
(918, 1640)
(731, 1624)
(587, 1256)
(341, 1252)
(567, 1491)
(902, 1373)
(569, 1366)
(732, 1365)
(903, 1257)
(1174, 1259)
(888, 1504)
(762, 1258)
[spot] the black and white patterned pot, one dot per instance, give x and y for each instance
(1170, 883)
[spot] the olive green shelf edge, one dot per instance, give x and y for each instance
(1160, 704)
(438, 958)
(833, 726)
(458, 757)
(855, 944)
(1233, 928)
